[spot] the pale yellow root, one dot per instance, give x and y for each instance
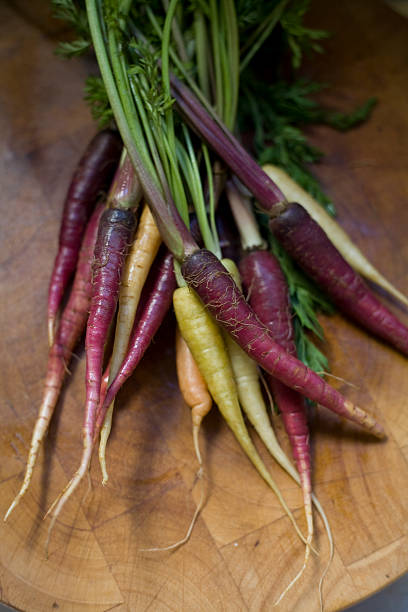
(251, 399)
(137, 266)
(40, 429)
(298, 575)
(309, 520)
(331, 548)
(56, 507)
(191, 526)
(205, 341)
(351, 253)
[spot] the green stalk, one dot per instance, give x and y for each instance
(211, 194)
(202, 54)
(159, 163)
(177, 35)
(172, 229)
(263, 31)
(215, 33)
(231, 30)
(178, 64)
(195, 185)
(165, 72)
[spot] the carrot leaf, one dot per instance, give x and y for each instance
(96, 97)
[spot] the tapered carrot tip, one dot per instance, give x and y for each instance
(366, 420)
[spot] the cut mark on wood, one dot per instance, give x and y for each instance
(386, 551)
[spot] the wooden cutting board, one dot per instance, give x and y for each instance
(243, 550)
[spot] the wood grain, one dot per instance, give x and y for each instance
(243, 550)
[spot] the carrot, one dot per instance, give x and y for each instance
(360, 302)
(307, 243)
(269, 297)
(114, 236)
(249, 389)
(158, 295)
(271, 199)
(195, 394)
(206, 344)
(201, 268)
(266, 286)
(193, 388)
(91, 177)
(69, 330)
(350, 252)
(206, 275)
(136, 269)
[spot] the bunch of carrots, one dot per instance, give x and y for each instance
(139, 235)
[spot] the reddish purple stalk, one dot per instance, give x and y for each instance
(227, 147)
(296, 230)
(158, 293)
(91, 178)
(307, 243)
(206, 275)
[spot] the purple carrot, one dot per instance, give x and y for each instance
(70, 329)
(114, 237)
(307, 243)
(268, 296)
(160, 289)
(91, 177)
(299, 233)
(206, 275)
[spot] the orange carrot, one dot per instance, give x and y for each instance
(193, 388)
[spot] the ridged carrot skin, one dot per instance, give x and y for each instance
(205, 274)
(70, 329)
(115, 234)
(308, 244)
(137, 265)
(336, 234)
(250, 395)
(160, 287)
(268, 295)
(114, 238)
(91, 178)
(206, 344)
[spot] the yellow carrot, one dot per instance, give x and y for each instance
(206, 344)
(249, 390)
(351, 253)
(137, 266)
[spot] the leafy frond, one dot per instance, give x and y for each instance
(95, 95)
(74, 14)
(73, 48)
(299, 37)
